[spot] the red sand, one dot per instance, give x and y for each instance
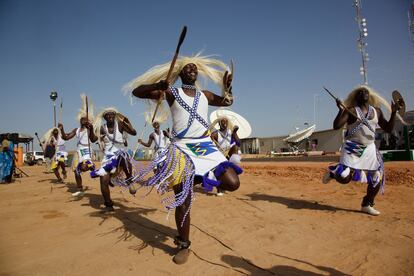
(282, 221)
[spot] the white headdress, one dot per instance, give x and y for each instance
(47, 137)
(82, 110)
(230, 124)
(374, 100)
(161, 116)
(97, 123)
(208, 68)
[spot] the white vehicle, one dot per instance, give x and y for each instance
(34, 157)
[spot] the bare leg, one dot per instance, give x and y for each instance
(106, 193)
(126, 167)
(78, 181)
(62, 165)
(372, 192)
(56, 171)
(183, 239)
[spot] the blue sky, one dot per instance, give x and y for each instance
(284, 52)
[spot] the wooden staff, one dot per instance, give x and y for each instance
(177, 50)
(342, 105)
(87, 118)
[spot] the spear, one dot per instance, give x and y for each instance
(177, 50)
(342, 105)
(87, 118)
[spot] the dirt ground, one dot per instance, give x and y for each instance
(282, 221)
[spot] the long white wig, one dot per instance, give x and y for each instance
(161, 116)
(208, 68)
(98, 122)
(47, 137)
(230, 124)
(82, 110)
(375, 99)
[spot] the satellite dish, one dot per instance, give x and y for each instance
(300, 135)
(244, 127)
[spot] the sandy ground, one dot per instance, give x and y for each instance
(282, 221)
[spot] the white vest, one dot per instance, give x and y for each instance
(189, 121)
(59, 143)
(82, 137)
(113, 141)
(361, 133)
(224, 139)
(159, 140)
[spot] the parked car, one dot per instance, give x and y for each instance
(34, 157)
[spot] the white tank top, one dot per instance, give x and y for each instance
(189, 114)
(59, 143)
(224, 139)
(113, 141)
(82, 137)
(360, 132)
(160, 141)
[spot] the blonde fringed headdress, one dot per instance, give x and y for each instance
(48, 135)
(230, 124)
(161, 116)
(82, 110)
(208, 68)
(97, 123)
(375, 99)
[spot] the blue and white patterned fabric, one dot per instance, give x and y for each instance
(359, 161)
(6, 161)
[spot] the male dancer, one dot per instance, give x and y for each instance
(160, 139)
(84, 135)
(227, 141)
(54, 137)
(360, 160)
(191, 156)
(111, 136)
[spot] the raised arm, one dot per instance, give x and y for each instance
(235, 137)
(214, 137)
(342, 117)
(125, 125)
(154, 91)
(387, 126)
(91, 134)
(66, 136)
(167, 133)
(216, 100)
(147, 144)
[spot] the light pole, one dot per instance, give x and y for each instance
(363, 33)
(53, 97)
(315, 97)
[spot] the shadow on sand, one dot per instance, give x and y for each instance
(238, 262)
(297, 203)
(134, 224)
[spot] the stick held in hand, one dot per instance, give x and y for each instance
(177, 50)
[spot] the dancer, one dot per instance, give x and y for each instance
(54, 137)
(227, 141)
(191, 156)
(84, 135)
(360, 159)
(6, 159)
(116, 159)
(161, 141)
